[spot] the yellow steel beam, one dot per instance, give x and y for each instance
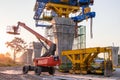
(84, 57)
(61, 9)
(87, 54)
(87, 50)
(92, 58)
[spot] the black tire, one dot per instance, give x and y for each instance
(38, 70)
(25, 69)
(51, 70)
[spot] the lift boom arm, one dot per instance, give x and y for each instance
(50, 51)
(48, 42)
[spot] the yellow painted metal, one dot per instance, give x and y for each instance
(98, 71)
(87, 9)
(62, 10)
(82, 58)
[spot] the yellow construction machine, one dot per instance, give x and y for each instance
(90, 60)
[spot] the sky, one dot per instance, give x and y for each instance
(106, 24)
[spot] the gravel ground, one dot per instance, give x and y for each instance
(9, 77)
(15, 73)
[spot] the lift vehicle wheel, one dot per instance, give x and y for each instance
(51, 70)
(25, 69)
(38, 70)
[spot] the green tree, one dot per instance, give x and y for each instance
(18, 45)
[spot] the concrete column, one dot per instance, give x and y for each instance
(115, 55)
(23, 58)
(37, 47)
(29, 56)
(63, 30)
(26, 57)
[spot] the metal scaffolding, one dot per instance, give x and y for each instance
(80, 41)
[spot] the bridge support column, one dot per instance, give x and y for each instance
(63, 30)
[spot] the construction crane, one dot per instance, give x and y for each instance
(47, 60)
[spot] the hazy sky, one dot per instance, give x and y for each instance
(106, 24)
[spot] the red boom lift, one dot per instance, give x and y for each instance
(47, 61)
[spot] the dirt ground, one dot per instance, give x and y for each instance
(15, 73)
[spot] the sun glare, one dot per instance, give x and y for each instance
(3, 48)
(4, 37)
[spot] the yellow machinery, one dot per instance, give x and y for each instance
(62, 10)
(87, 60)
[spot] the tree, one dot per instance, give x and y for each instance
(18, 45)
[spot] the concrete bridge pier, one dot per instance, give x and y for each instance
(63, 30)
